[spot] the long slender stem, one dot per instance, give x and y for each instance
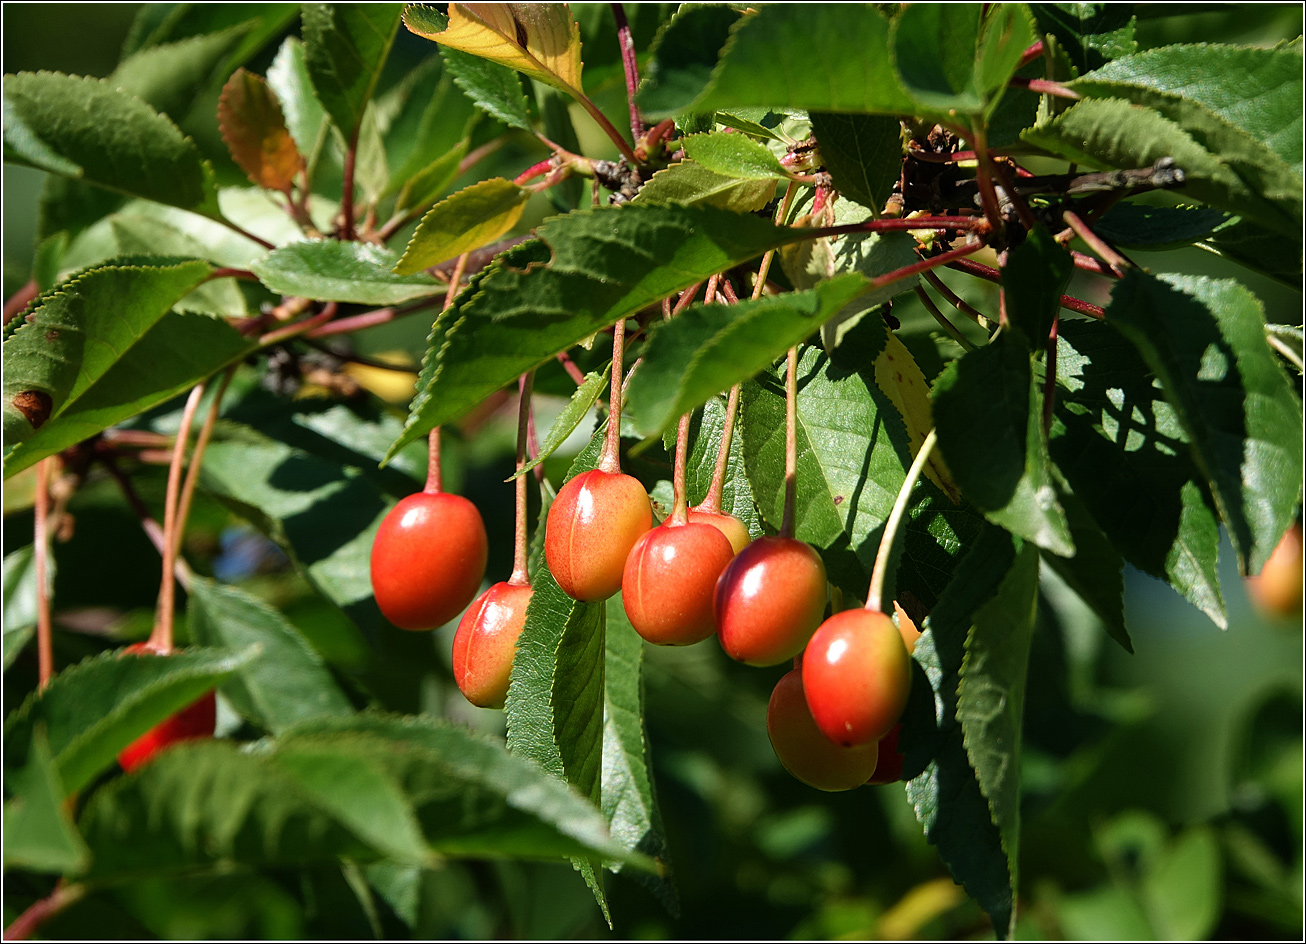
(947, 325)
(1044, 87)
(455, 281)
(610, 457)
(990, 274)
(988, 195)
(680, 509)
(631, 67)
(1095, 242)
(791, 443)
(520, 577)
(299, 327)
(161, 638)
(370, 319)
(347, 189)
(240, 230)
(712, 502)
(957, 302)
(894, 225)
(197, 457)
(1050, 380)
(1030, 54)
(1026, 215)
(874, 596)
(44, 632)
(30, 921)
(434, 477)
(946, 258)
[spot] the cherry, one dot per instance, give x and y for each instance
(485, 642)
(592, 525)
(770, 600)
(1277, 589)
(728, 525)
(669, 579)
(428, 559)
(888, 769)
(857, 674)
(807, 753)
(195, 721)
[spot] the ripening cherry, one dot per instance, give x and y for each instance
(195, 721)
(728, 525)
(807, 753)
(856, 673)
(428, 559)
(486, 640)
(592, 525)
(1277, 589)
(888, 768)
(770, 600)
(670, 576)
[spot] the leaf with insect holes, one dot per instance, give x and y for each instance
(461, 222)
(254, 128)
(539, 39)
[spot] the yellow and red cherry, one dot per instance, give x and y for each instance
(195, 721)
(1277, 589)
(807, 753)
(888, 768)
(669, 579)
(857, 674)
(486, 640)
(770, 600)
(428, 559)
(592, 525)
(728, 525)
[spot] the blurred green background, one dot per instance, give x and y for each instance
(1162, 791)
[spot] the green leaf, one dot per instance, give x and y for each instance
(705, 430)
(586, 270)
(84, 128)
(827, 57)
(991, 699)
(1258, 248)
(39, 831)
(289, 79)
(863, 154)
(427, 184)
(694, 185)
(577, 408)
(1095, 573)
(1204, 339)
(1119, 444)
(1138, 226)
(466, 220)
(942, 787)
(988, 414)
(168, 77)
(1089, 33)
(288, 682)
(170, 23)
(431, 118)
(345, 47)
(734, 155)
(710, 348)
(1035, 276)
(94, 709)
(332, 270)
(20, 600)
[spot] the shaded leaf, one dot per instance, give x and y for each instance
(20, 600)
(863, 154)
(38, 828)
(345, 48)
(254, 128)
(1033, 279)
(694, 185)
(1096, 572)
(335, 270)
(1089, 33)
(733, 155)
(1255, 246)
(169, 76)
(1138, 226)
(466, 220)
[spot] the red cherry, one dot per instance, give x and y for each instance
(770, 600)
(728, 525)
(888, 769)
(196, 721)
(428, 559)
(669, 579)
(593, 523)
(807, 753)
(486, 641)
(857, 674)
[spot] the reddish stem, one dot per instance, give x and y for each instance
(1050, 380)
(196, 458)
(680, 510)
(631, 67)
(44, 633)
(161, 639)
(347, 190)
(990, 274)
(791, 443)
(1030, 54)
(946, 258)
(434, 477)
(610, 457)
(299, 327)
(988, 195)
(931, 157)
(957, 302)
(1090, 264)
(455, 281)
(535, 170)
(1044, 87)
(370, 319)
(27, 923)
(1095, 242)
(520, 576)
(712, 502)
(1022, 208)
(944, 323)
(20, 300)
(229, 273)
(894, 224)
(570, 367)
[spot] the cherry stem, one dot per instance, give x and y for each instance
(712, 502)
(950, 257)
(229, 273)
(947, 325)
(299, 327)
(1043, 87)
(608, 129)
(1117, 262)
(686, 299)
(893, 225)
(536, 170)
(161, 639)
(347, 189)
(610, 457)
(196, 458)
(19, 301)
(988, 195)
(27, 923)
(370, 319)
(874, 596)
(680, 510)
(1050, 378)
(1030, 54)
(631, 66)
(957, 302)
(791, 443)
(520, 577)
(990, 274)
(455, 282)
(434, 478)
(44, 634)
(240, 230)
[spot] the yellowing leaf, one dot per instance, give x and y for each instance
(539, 39)
(900, 377)
(464, 221)
(252, 125)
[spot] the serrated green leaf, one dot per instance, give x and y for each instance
(1036, 274)
(1204, 339)
(586, 270)
(1118, 442)
(427, 184)
(1248, 244)
(1089, 33)
(1138, 226)
(169, 76)
(988, 414)
(710, 348)
(733, 155)
(94, 709)
(84, 128)
(334, 270)
(694, 185)
(170, 23)
(466, 220)
(288, 683)
(345, 48)
(577, 408)
(862, 153)
(426, 116)
(933, 48)
(20, 600)
(991, 700)
(1095, 573)
(38, 828)
(288, 77)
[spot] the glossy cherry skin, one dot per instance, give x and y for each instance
(669, 580)
(770, 600)
(856, 673)
(486, 641)
(1277, 590)
(807, 753)
(888, 768)
(196, 721)
(428, 559)
(593, 523)
(728, 525)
